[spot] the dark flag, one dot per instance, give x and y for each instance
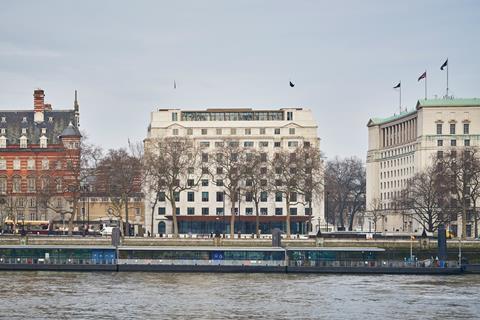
(423, 76)
(397, 86)
(444, 64)
(292, 84)
(174, 85)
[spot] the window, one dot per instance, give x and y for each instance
(31, 184)
(59, 185)
(31, 164)
(248, 144)
(249, 182)
(190, 182)
(306, 144)
(453, 143)
(292, 144)
(176, 195)
(289, 115)
(293, 211)
(439, 154)
(277, 131)
(278, 196)
(248, 211)
(4, 119)
(161, 196)
(174, 116)
(190, 211)
(23, 142)
(439, 128)
(308, 211)
(233, 131)
(263, 170)
(204, 157)
(189, 131)
(218, 144)
(205, 211)
(248, 197)
(466, 128)
(175, 132)
(277, 144)
(191, 170)
(439, 143)
(263, 144)
(263, 211)
(204, 144)
(177, 211)
(219, 183)
(219, 196)
(263, 182)
(263, 196)
(190, 196)
(3, 142)
(3, 164)
(219, 131)
(204, 182)
(204, 132)
(293, 197)
(17, 184)
(291, 131)
(452, 128)
(3, 185)
(16, 164)
(467, 142)
(248, 131)
(219, 211)
(219, 170)
(204, 196)
(453, 154)
(262, 131)
(278, 211)
(161, 211)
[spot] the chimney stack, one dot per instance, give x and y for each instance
(38, 100)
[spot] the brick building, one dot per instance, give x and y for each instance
(39, 151)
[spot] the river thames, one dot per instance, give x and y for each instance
(62, 295)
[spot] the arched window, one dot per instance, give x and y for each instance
(44, 183)
(17, 184)
(3, 185)
(58, 184)
(31, 184)
(43, 142)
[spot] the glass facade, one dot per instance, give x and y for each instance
(232, 116)
(246, 227)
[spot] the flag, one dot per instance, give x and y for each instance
(444, 64)
(423, 76)
(174, 85)
(292, 84)
(398, 85)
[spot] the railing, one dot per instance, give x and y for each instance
(35, 260)
(184, 262)
(374, 264)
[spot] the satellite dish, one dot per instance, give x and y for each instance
(292, 84)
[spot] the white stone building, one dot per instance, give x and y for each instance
(206, 209)
(404, 144)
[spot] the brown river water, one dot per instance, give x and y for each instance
(66, 295)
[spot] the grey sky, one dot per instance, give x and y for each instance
(344, 56)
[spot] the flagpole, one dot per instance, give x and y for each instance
(426, 84)
(447, 77)
(400, 102)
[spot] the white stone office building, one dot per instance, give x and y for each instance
(404, 144)
(206, 209)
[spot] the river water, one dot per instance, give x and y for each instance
(64, 295)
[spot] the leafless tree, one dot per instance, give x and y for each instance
(118, 176)
(345, 182)
(226, 169)
(462, 168)
(172, 166)
(426, 197)
(256, 182)
(376, 212)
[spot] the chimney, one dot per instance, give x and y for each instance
(38, 100)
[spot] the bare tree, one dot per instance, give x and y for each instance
(119, 177)
(345, 182)
(426, 195)
(170, 165)
(256, 182)
(462, 169)
(226, 169)
(376, 212)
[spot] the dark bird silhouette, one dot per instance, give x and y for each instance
(292, 84)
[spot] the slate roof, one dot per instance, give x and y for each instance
(14, 124)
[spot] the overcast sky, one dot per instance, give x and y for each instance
(344, 56)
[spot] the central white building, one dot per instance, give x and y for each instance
(206, 210)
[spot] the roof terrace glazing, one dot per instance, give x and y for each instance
(232, 116)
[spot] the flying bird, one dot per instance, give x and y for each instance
(292, 84)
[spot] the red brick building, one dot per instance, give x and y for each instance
(39, 157)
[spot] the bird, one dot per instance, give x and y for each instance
(292, 84)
